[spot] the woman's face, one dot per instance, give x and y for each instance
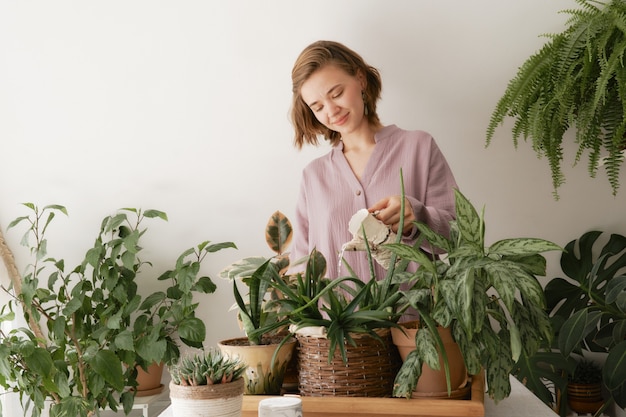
(335, 97)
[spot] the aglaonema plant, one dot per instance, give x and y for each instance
(488, 294)
(88, 327)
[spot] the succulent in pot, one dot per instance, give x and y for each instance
(209, 384)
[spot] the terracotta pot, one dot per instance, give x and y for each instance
(584, 398)
(260, 377)
(217, 400)
(432, 383)
(149, 382)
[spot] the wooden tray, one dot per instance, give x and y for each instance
(377, 407)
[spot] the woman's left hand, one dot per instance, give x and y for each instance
(387, 211)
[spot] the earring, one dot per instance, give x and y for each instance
(365, 110)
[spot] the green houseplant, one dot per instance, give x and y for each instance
(307, 299)
(590, 305)
(584, 387)
(208, 384)
(488, 295)
(88, 327)
(577, 79)
(267, 347)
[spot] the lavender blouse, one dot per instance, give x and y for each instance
(330, 194)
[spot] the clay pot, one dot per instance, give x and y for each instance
(584, 398)
(260, 377)
(432, 383)
(149, 382)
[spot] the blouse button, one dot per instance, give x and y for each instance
(358, 192)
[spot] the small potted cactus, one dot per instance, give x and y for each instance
(207, 384)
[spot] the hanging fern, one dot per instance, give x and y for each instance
(577, 79)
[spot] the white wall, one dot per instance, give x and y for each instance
(183, 106)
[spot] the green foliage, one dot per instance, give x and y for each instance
(256, 273)
(586, 372)
(97, 326)
(343, 306)
(576, 79)
(591, 305)
(545, 365)
(489, 295)
(210, 367)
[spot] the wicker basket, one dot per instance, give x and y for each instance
(369, 372)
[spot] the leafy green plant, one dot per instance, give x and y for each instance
(591, 305)
(88, 327)
(257, 318)
(307, 299)
(586, 372)
(210, 367)
(489, 295)
(576, 79)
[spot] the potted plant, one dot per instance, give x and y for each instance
(589, 305)
(575, 80)
(584, 387)
(207, 385)
(308, 300)
(343, 326)
(488, 295)
(88, 326)
(266, 351)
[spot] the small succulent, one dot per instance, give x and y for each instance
(211, 367)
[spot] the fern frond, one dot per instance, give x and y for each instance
(576, 79)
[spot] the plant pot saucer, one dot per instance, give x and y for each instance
(148, 392)
(457, 394)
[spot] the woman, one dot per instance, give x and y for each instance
(334, 96)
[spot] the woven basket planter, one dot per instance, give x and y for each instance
(369, 372)
(218, 400)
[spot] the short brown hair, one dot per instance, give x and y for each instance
(312, 58)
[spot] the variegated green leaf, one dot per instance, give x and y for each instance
(408, 375)
(522, 246)
(470, 224)
(242, 268)
(508, 277)
(426, 346)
